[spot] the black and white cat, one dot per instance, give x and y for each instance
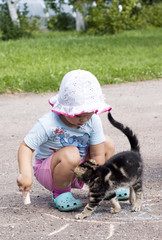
(122, 170)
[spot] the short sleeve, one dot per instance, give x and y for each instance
(97, 135)
(36, 136)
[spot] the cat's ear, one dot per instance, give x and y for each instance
(78, 171)
(92, 163)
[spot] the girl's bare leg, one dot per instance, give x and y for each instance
(62, 162)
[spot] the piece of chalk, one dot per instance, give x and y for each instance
(26, 199)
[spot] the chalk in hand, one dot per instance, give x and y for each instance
(26, 198)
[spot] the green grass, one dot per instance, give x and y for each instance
(38, 64)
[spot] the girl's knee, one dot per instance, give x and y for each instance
(71, 155)
(67, 157)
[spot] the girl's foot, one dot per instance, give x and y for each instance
(122, 194)
(66, 202)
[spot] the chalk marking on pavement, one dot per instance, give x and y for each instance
(124, 219)
(112, 229)
(9, 208)
(59, 230)
(84, 220)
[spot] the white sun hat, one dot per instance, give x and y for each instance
(79, 92)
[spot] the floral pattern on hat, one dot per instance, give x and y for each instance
(80, 92)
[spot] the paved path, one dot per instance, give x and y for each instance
(138, 105)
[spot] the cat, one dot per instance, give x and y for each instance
(122, 170)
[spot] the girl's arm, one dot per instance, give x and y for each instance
(25, 178)
(97, 152)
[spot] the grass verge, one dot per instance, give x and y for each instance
(38, 64)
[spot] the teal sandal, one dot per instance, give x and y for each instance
(66, 202)
(122, 194)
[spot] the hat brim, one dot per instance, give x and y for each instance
(72, 111)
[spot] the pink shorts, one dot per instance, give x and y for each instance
(42, 172)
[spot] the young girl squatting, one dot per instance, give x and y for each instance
(64, 137)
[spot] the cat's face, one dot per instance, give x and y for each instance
(85, 170)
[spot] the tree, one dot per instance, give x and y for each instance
(13, 12)
(57, 7)
(80, 24)
(13, 23)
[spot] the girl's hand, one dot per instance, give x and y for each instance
(24, 182)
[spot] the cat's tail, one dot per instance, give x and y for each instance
(127, 131)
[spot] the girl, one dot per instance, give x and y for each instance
(65, 137)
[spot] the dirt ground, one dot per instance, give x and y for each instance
(138, 105)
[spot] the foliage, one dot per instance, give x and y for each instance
(152, 15)
(9, 30)
(113, 17)
(55, 5)
(119, 15)
(61, 21)
(125, 19)
(12, 31)
(27, 25)
(39, 63)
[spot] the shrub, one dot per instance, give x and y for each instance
(11, 31)
(125, 19)
(28, 25)
(108, 18)
(152, 15)
(62, 21)
(119, 15)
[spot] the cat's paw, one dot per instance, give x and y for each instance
(83, 214)
(80, 216)
(115, 210)
(136, 207)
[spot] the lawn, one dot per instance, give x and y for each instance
(39, 63)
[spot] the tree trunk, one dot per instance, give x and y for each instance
(80, 25)
(12, 10)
